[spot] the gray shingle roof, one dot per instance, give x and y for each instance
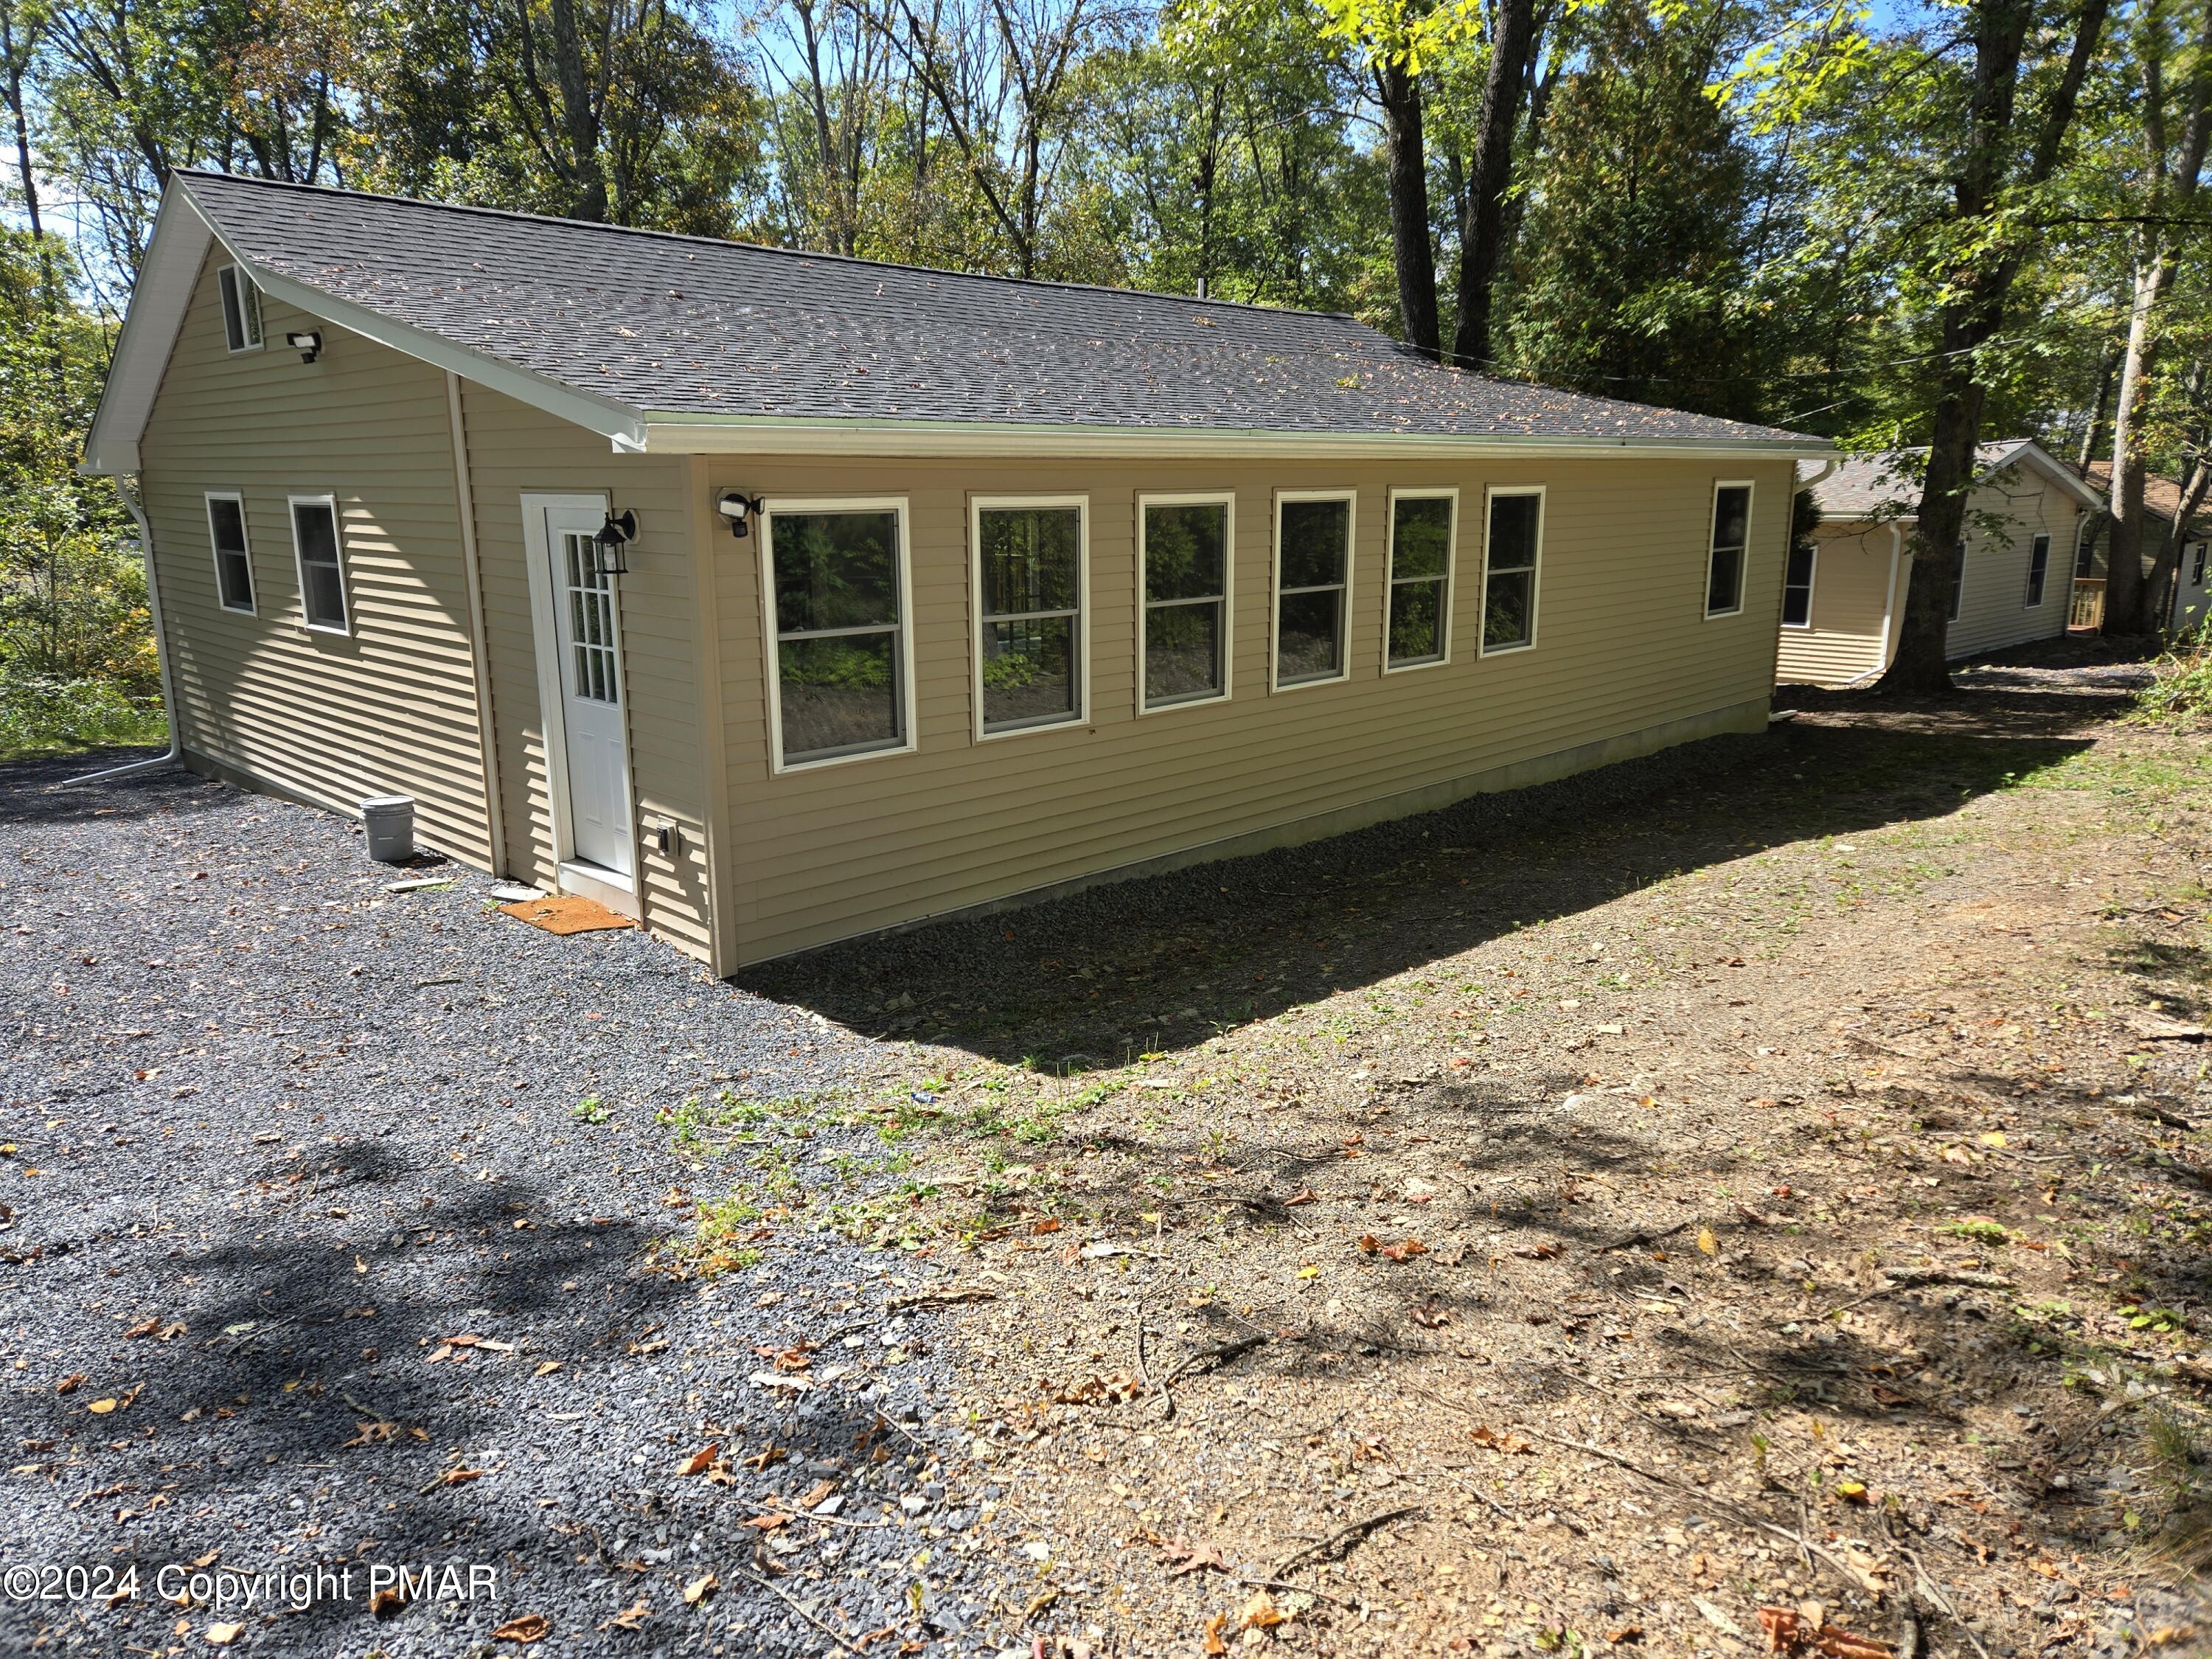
(696, 327)
(1886, 484)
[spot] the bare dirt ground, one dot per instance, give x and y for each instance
(1761, 1204)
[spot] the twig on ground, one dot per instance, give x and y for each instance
(1343, 1537)
(828, 1630)
(939, 1298)
(1943, 1603)
(1913, 1279)
(1221, 1354)
(1301, 1589)
(1638, 1240)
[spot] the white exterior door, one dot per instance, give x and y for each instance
(591, 713)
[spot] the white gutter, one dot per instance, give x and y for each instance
(775, 436)
(487, 736)
(161, 655)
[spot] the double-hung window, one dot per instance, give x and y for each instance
(2197, 569)
(1797, 586)
(242, 309)
(1184, 546)
(836, 587)
(233, 559)
(1731, 539)
(1512, 551)
(319, 551)
(1958, 578)
(1313, 587)
(1031, 633)
(1424, 528)
(2038, 571)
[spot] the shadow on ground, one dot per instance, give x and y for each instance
(1161, 964)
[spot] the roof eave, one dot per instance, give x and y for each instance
(668, 432)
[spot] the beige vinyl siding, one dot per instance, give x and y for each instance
(515, 449)
(1851, 598)
(329, 718)
(1992, 614)
(1623, 647)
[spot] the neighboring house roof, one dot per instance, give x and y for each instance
(1886, 484)
(2161, 496)
(657, 340)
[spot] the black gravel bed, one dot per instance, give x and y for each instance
(274, 1134)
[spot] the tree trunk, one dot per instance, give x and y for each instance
(1407, 164)
(1973, 317)
(1482, 242)
(2129, 601)
(2094, 439)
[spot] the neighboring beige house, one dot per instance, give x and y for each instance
(939, 591)
(1842, 604)
(2189, 601)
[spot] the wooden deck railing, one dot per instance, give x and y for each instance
(2086, 610)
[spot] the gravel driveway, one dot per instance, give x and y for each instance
(276, 1136)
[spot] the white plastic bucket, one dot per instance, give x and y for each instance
(389, 823)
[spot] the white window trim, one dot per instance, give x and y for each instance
(771, 654)
(1443, 659)
(1225, 498)
(292, 503)
(1275, 683)
(2042, 598)
(1482, 645)
(252, 605)
(243, 285)
(1750, 486)
(979, 505)
(1812, 587)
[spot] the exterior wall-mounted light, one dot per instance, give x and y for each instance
(309, 343)
(616, 533)
(740, 509)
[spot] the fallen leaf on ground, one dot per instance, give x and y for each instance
(1625, 1633)
(1404, 1252)
(818, 1492)
(1789, 1633)
(459, 1477)
(630, 1618)
(1214, 1645)
(530, 1627)
(221, 1636)
(1510, 1444)
(71, 1383)
(700, 1461)
(1261, 1612)
(699, 1588)
(1432, 1313)
(1192, 1557)
(1543, 1252)
(144, 1328)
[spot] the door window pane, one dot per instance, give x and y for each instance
(1731, 533)
(1510, 554)
(1030, 559)
(1313, 557)
(840, 636)
(1186, 554)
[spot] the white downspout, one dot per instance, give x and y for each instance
(487, 736)
(160, 653)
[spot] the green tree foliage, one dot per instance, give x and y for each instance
(1634, 273)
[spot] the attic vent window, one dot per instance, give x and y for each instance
(242, 309)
